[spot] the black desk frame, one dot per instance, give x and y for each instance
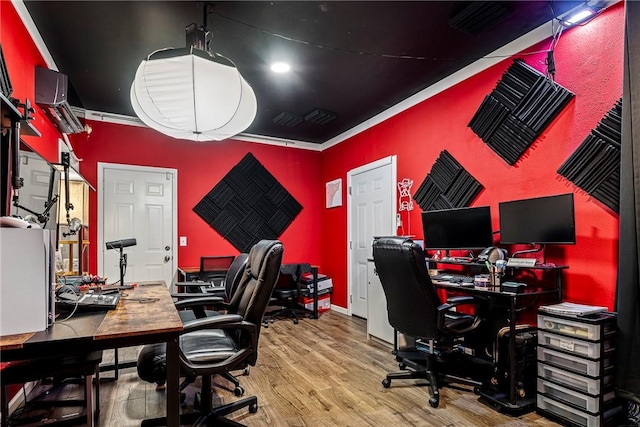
(511, 403)
(83, 333)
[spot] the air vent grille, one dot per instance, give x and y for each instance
(320, 117)
(478, 16)
(288, 120)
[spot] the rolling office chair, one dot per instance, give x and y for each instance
(214, 268)
(205, 352)
(414, 309)
(206, 304)
(222, 297)
(286, 295)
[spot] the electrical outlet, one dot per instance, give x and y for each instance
(398, 220)
(183, 240)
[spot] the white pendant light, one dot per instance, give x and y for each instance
(190, 94)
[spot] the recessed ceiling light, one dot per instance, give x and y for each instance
(280, 67)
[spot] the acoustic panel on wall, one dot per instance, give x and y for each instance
(448, 185)
(595, 165)
(248, 205)
(518, 110)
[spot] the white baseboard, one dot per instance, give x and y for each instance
(339, 309)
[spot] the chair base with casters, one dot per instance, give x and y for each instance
(417, 364)
(209, 415)
(290, 310)
(85, 366)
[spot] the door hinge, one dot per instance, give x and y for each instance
(351, 299)
(168, 176)
(350, 245)
(349, 190)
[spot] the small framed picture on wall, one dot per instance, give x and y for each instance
(333, 193)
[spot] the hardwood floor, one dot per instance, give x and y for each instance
(318, 373)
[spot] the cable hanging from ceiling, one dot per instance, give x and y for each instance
(379, 55)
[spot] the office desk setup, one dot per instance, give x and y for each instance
(145, 314)
(516, 300)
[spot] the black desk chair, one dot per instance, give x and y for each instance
(223, 293)
(200, 305)
(214, 268)
(414, 309)
(287, 293)
(205, 352)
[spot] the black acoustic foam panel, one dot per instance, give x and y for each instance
(448, 185)
(518, 110)
(248, 205)
(595, 165)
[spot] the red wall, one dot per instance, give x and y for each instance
(201, 166)
(21, 57)
(589, 63)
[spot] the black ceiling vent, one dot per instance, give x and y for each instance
(288, 120)
(320, 117)
(478, 16)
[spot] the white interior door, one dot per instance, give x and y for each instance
(138, 202)
(371, 208)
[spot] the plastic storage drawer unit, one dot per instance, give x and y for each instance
(576, 346)
(565, 413)
(576, 382)
(573, 327)
(578, 365)
(581, 401)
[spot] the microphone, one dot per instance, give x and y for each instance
(122, 243)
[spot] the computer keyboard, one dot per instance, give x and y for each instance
(456, 279)
(87, 302)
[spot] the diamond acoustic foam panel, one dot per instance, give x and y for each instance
(595, 165)
(248, 205)
(518, 110)
(447, 186)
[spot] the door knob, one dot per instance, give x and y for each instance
(167, 258)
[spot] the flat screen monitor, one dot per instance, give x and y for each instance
(462, 228)
(542, 220)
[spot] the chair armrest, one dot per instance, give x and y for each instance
(198, 301)
(452, 302)
(223, 321)
(461, 299)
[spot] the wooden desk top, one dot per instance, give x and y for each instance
(144, 314)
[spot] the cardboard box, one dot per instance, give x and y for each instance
(324, 302)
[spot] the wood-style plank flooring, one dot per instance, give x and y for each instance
(318, 373)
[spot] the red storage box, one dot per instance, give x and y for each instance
(324, 302)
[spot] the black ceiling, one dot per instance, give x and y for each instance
(345, 56)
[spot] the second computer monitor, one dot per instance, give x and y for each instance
(461, 228)
(540, 220)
